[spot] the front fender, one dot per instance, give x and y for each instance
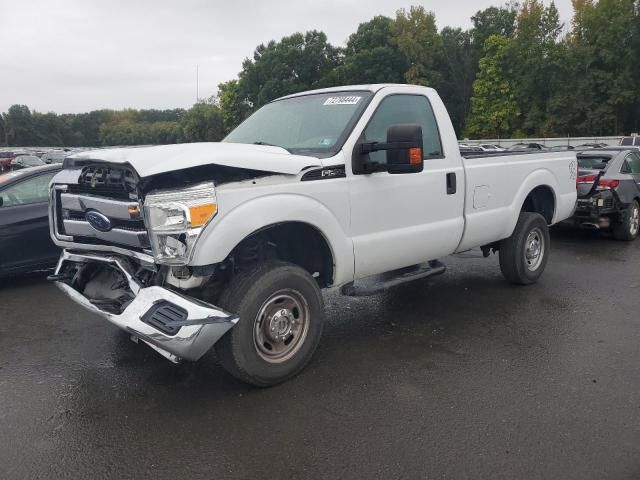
(221, 236)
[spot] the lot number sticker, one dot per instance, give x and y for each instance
(351, 100)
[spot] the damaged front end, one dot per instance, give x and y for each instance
(126, 294)
(128, 241)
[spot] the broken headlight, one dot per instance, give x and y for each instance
(175, 219)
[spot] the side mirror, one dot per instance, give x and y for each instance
(407, 159)
(1, 201)
(403, 147)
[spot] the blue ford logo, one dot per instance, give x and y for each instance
(98, 221)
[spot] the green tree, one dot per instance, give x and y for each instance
(371, 56)
(165, 132)
(534, 55)
(203, 123)
(20, 130)
(125, 132)
(293, 64)
(493, 21)
(494, 111)
(3, 130)
(416, 35)
(457, 66)
(233, 108)
(600, 94)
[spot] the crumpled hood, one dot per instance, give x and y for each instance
(149, 161)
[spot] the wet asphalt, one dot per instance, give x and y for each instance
(461, 376)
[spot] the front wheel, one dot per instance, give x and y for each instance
(524, 255)
(281, 318)
(628, 228)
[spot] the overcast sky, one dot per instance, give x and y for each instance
(81, 55)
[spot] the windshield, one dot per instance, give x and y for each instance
(315, 125)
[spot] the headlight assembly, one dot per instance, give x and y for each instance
(175, 219)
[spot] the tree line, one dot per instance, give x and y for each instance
(517, 72)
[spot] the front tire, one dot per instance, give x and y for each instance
(524, 255)
(281, 319)
(627, 229)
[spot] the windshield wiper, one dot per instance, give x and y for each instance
(271, 145)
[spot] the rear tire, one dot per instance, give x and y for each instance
(281, 318)
(524, 255)
(627, 229)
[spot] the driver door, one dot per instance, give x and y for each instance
(399, 220)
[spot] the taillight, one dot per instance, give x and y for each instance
(587, 179)
(604, 183)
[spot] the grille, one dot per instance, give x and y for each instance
(131, 225)
(111, 192)
(110, 181)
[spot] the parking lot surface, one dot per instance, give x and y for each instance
(461, 376)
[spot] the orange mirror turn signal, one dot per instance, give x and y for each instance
(415, 156)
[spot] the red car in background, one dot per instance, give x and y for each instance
(6, 158)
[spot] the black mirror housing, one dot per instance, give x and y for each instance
(403, 147)
(410, 158)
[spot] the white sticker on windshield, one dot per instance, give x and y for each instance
(350, 100)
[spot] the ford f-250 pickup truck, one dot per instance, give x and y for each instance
(229, 244)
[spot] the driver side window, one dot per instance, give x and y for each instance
(31, 190)
(403, 109)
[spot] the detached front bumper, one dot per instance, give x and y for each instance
(176, 326)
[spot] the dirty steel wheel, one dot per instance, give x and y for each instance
(281, 317)
(281, 326)
(629, 227)
(523, 256)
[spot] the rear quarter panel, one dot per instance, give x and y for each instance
(496, 188)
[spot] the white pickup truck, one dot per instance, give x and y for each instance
(230, 243)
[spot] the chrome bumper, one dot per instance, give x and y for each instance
(205, 324)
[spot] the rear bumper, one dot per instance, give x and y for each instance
(598, 211)
(201, 326)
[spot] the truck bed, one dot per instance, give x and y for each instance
(497, 185)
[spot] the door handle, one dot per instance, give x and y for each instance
(451, 183)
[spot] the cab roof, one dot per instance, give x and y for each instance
(371, 87)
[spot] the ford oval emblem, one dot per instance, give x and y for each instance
(98, 221)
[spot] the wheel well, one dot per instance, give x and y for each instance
(295, 242)
(541, 200)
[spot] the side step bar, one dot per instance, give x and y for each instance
(433, 268)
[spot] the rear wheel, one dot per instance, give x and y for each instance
(281, 318)
(628, 228)
(523, 256)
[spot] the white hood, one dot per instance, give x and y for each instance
(149, 161)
